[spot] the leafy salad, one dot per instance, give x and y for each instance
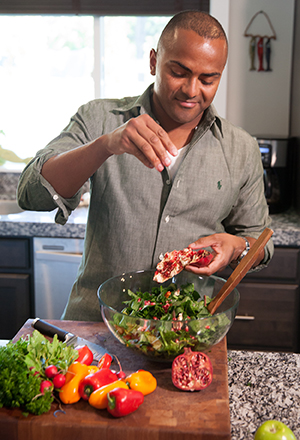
(178, 312)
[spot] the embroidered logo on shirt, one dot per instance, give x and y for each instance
(219, 184)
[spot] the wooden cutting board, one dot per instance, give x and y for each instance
(166, 414)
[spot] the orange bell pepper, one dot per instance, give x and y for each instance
(98, 399)
(69, 391)
(92, 369)
(142, 381)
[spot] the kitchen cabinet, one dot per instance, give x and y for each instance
(16, 284)
(269, 311)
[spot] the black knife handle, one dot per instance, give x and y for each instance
(48, 329)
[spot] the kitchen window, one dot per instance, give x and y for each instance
(51, 64)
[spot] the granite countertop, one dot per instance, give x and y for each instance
(42, 224)
(263, 386)
(286, 225)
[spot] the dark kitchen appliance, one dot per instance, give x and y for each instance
(275, 155)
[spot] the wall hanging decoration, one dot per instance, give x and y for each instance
(260, 45)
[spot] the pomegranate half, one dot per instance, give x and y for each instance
(192, 371)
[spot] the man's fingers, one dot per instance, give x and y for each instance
(141, 157)
(152, 141)
(160, 139)
(145, 139)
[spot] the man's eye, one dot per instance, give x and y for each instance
(207, 82)
(177, 74)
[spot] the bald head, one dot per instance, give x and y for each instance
(200, 22)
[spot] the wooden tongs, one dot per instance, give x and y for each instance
(241, 270)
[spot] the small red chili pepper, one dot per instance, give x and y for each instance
(122, 402)
(95, 381)
(85, 355)
(105, 361)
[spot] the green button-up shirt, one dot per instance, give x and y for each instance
(137, 214)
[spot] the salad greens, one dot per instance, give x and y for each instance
(167, 303)
(22, 366)
(178, 312)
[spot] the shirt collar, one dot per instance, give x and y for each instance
(142, 104)
(210, 117)
(139, 104)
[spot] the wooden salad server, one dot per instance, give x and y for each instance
(241, 270)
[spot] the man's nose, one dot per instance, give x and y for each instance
(190, 87)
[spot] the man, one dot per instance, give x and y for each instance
(165, 170)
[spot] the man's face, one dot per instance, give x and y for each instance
(188, 72)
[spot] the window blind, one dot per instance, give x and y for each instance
(101, 7)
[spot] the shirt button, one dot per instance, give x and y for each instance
(168, 182)
(167, 219)
(55, 197)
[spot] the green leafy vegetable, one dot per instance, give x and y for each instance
(167, 303)
(22, 367)
(178, 312)
(42, 353)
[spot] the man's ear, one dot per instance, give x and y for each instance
(152, 62)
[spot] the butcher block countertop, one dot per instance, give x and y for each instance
(167, 413)
(260, 386)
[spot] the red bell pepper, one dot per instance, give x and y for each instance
(85, 355)
(122, 401)
(94, 381)
(105, 361)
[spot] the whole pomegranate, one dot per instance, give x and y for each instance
(192, 371)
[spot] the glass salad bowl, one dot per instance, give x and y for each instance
(160, 320)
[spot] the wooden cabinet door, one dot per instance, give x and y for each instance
(15, 253)
(267, 317)
(15, 303)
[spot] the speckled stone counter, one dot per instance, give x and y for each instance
(286, 226)
(263, 386)
(42, 224)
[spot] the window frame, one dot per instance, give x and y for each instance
(96, 7)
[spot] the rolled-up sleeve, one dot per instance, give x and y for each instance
(34, 192)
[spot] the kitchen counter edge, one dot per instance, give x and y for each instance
(286, 226)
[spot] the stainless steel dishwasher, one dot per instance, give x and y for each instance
(56, 262)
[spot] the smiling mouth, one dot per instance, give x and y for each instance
(187, 104)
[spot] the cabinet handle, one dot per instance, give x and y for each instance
(245, 317)
(53, 247)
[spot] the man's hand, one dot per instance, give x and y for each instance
(227, 248)
(143, 138)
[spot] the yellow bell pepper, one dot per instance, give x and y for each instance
(98, 398)
(69, 391)
(142, 381)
